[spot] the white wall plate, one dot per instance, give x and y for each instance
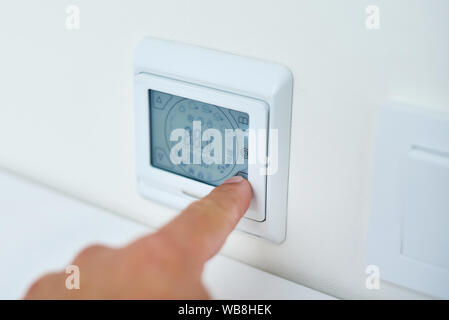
(176, 84)
(409, 224)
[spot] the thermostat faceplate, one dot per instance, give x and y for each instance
(176, 85)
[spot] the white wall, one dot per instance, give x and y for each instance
(66, 116)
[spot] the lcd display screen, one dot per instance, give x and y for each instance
(180, 128)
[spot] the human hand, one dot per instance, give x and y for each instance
(165, 265)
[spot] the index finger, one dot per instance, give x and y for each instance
(202, 228)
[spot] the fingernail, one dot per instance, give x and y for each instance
(235, 179)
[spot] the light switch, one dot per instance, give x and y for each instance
(203, 116)
(409, 223)
(425, 198)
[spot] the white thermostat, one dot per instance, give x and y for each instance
(203, 116)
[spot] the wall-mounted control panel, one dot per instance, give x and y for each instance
(203, 116)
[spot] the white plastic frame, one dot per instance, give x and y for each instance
(181, 186)
(226, 80)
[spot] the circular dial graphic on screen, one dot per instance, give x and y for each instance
(182, 115)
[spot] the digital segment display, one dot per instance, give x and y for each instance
(170, 112)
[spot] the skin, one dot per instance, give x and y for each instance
(167, 264)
